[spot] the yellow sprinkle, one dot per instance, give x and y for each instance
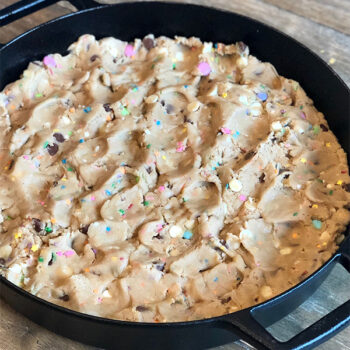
(64, 179)
(328, 144)
(315, 206)
(332, 61)
(164, 157)
(224, 95)
(34, 248)
(339, 182)
(212, 58)
(56, 130)
(114, 258)
(68, 201)
(53, 220)
(18, 235)
(303, 160)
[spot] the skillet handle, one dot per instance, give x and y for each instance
(251, 331)
(26, 7)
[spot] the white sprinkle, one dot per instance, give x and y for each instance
(152, 99)
(235, 185)
(285, 251)
(266, 292)
(193, 106)
(276, 126)
(175, 231)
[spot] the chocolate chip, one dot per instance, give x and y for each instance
(2, 261)
(242, 46)
(346, 187)
(84, 229)
(323, 127)
(162, 102)
(158, 236)
(51, 261)
(186, 120)
(59, 137)
(249, 155)
(11, 164)
(141, 308)
(225, 300)
(170, 109)
(149, 170)
(37, 225)
(52, 149)
(107, 107)
(65, 297)
(55, 183)
(262, 178)
(148, 43)
(94, 57)
(160, 267)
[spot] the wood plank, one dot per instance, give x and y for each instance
(334, 14)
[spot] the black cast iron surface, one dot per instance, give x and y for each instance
(291, 59)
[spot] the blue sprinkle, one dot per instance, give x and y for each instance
(236, 134)
(185, 86)
(108, 193)
(64, 161)
(187, 235)
(262, 96)
(216, 45)
(81, 140)
(226, 186)
(206, 261)
(63, 187)
(317, 224)
(213, 168)
(83, 200)
(216, 279)
(158, 122)
(108, 228)
(87, 109)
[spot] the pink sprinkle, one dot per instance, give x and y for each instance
(133, 101)
(99, 300)
(93, 198)
(302, 114)
(68, 253)
(226, 131)
(121, 258)
(161, 188)
(204, 68)
(49, 61)
(129, 50)
(26, 157)
(59, 253)
(242, 197)
(180, 147)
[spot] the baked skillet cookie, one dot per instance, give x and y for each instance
(164, 180)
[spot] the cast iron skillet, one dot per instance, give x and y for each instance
(127, 21)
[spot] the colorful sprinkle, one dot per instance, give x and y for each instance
(108, 229)
(49, 61)
(262, 96)
(64, 161)
(68, 253)
(146, 203)
(187, 235)
(158, 122)
(87, 109)
(81, 140)
(215, 279)
(48, 229)
(92, 198)
(121, 211)
(41, 259)
(317, 224)
(129, 51)
(125, 111)
(242, 198)
(34, 248)
(161, 188)
(226, 131)
(204, 68)
(108, 193)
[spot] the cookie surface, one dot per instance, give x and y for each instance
(164, 180)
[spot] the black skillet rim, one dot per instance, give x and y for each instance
(77, 314)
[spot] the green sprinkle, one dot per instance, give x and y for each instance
(137, 179)
(316, 129)
(70, 133)
(146, 203)
(9, 217)
(121, 211)
(229, 76)
(295, 214)
(46, 144)
(184, 200)
(38, 95)
(22, 278)
(70, 169)
(41, 259)
(301, 107)
(125, 111)
(48, 229)
(330, 192)
(152, 67)
(148, 146)
(174, 66)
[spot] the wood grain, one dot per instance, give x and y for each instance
(323, 26)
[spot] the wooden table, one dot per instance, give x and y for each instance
(323, 26)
